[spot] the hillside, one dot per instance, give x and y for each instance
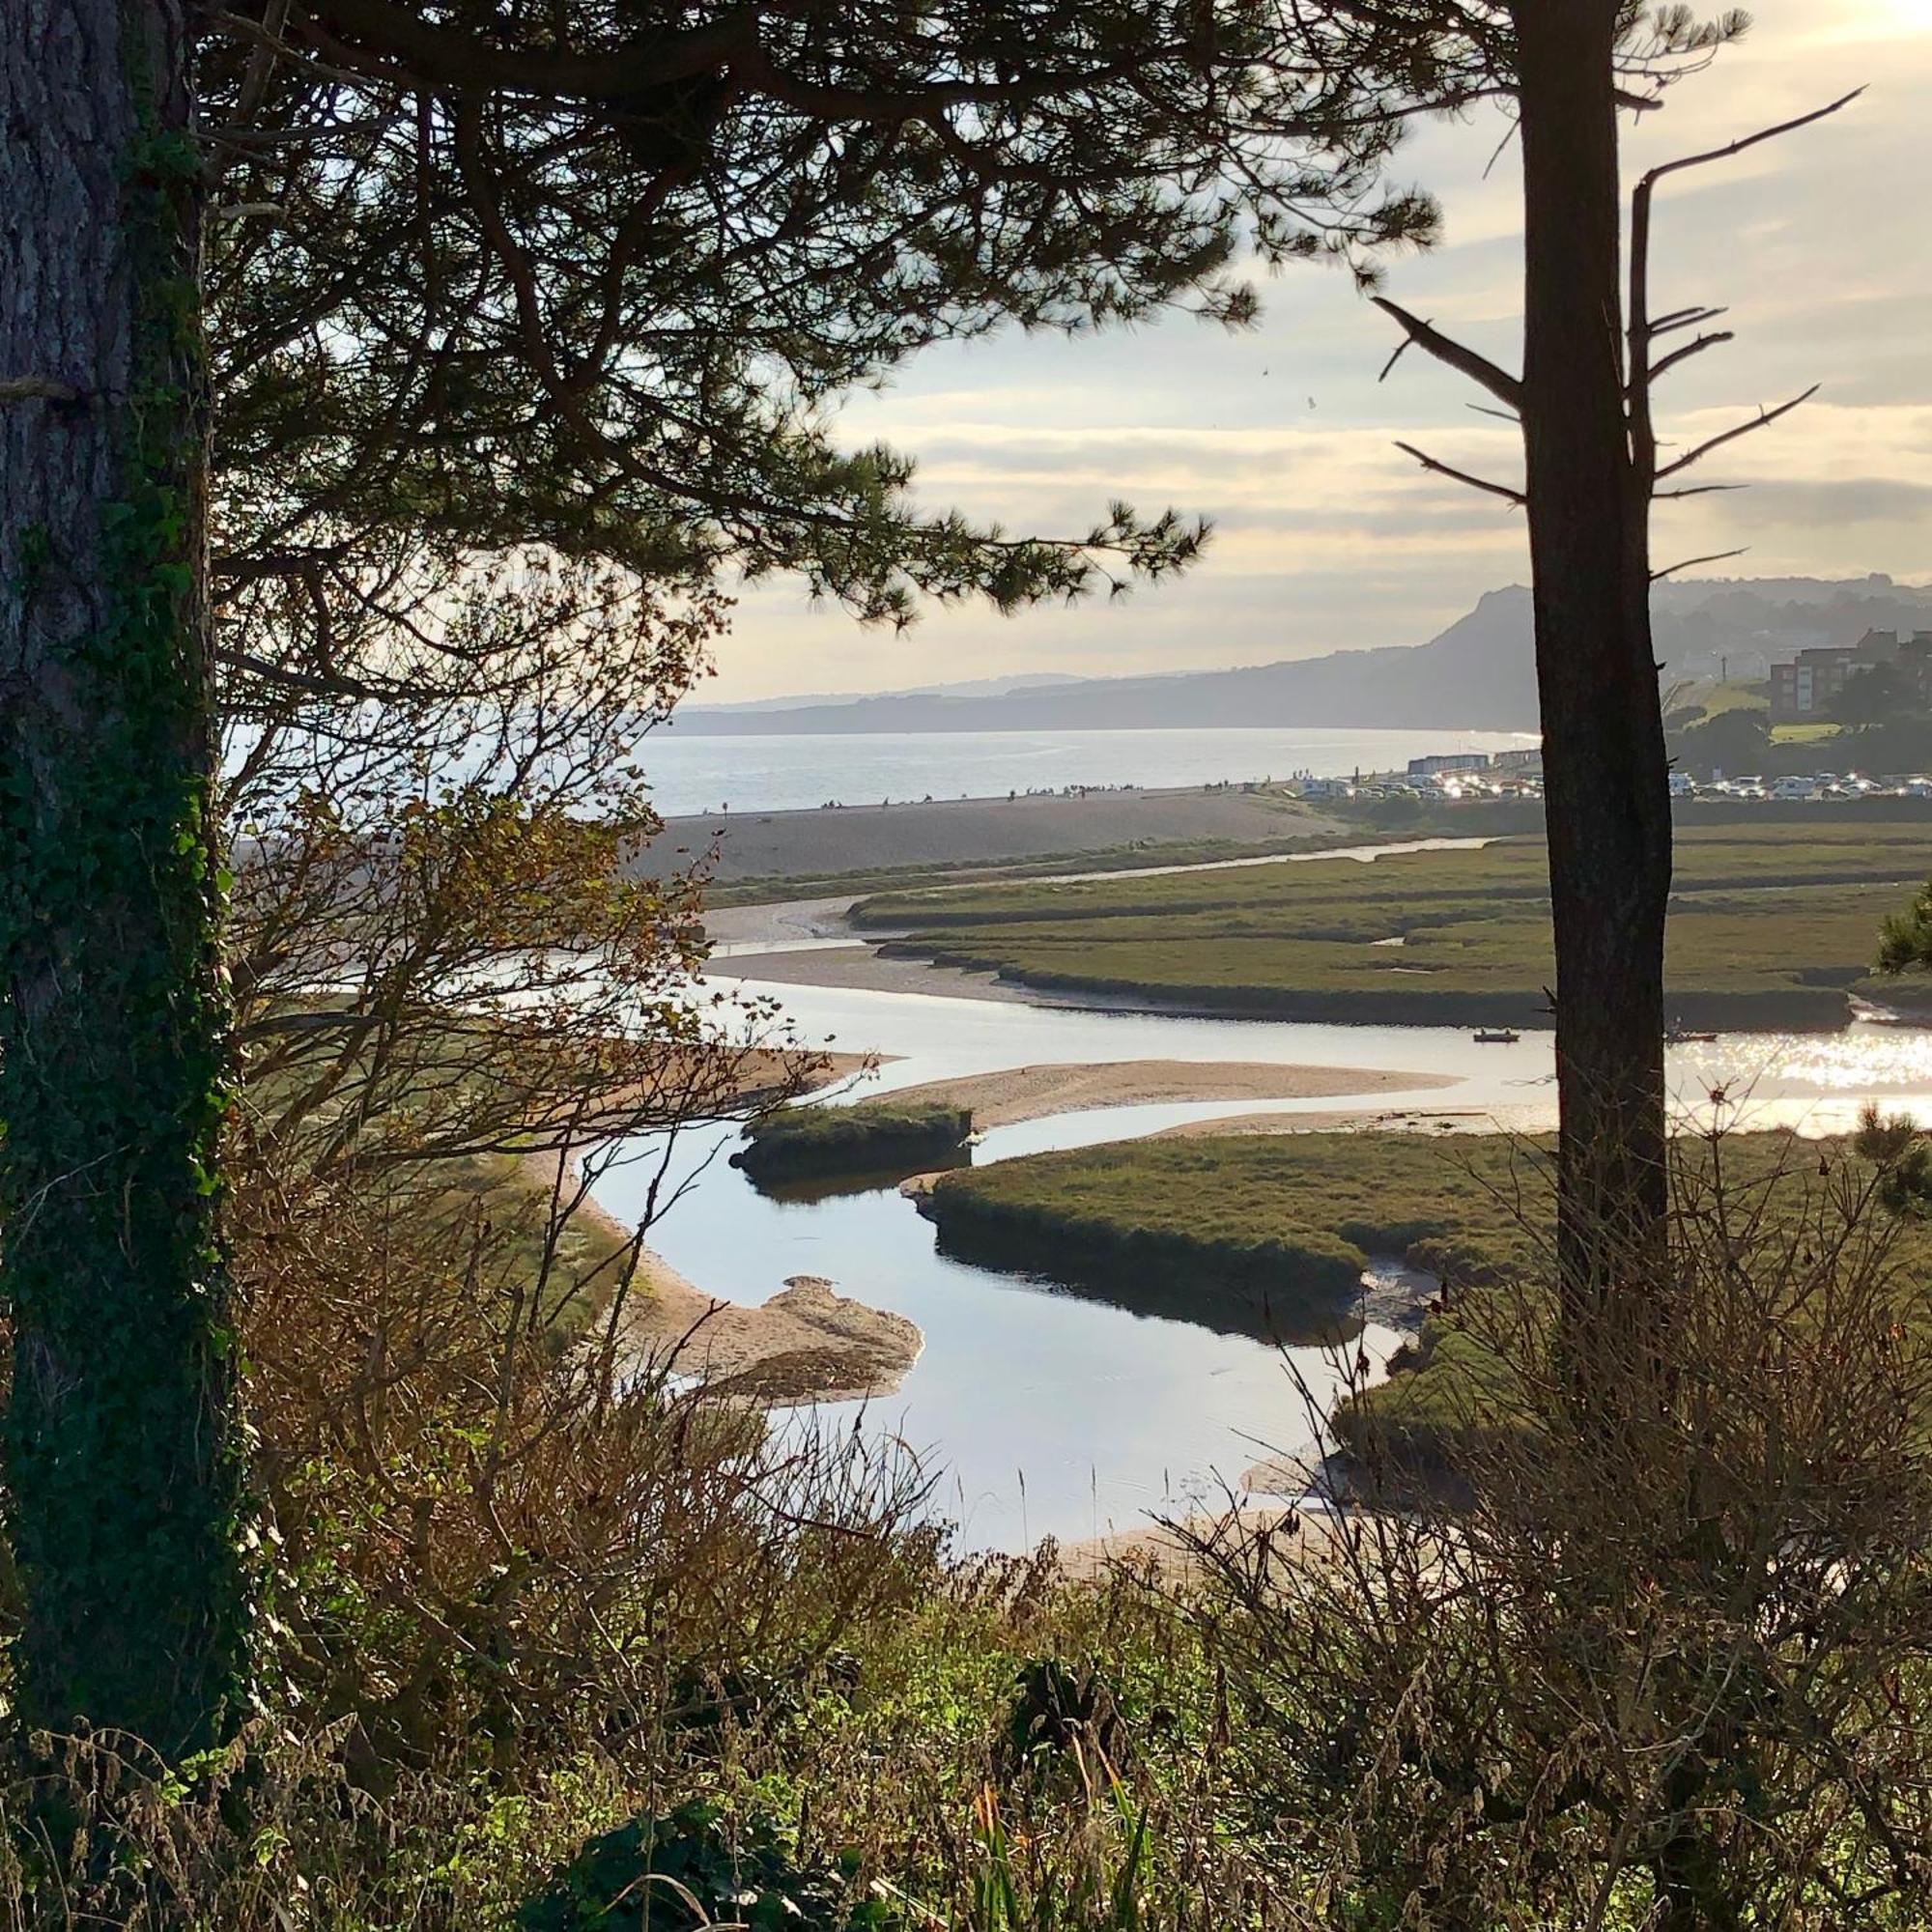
(1477, 674)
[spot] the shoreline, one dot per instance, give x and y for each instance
(1299, 1532)
(1080, 824)
(806, 1343)
(892, 966)
(862, 967)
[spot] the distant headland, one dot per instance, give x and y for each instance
(1479, 674)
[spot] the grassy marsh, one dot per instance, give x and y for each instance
(1771, 926)
(1268, 1236)
(873, 1137)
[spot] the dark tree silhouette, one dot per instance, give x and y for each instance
(1733, 742)
(123, 1467)
(1593, 351)
(490, 278)
(1875, 696)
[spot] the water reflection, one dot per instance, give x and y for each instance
(1273, 1311)
(806, 1190)
(1058, 1413)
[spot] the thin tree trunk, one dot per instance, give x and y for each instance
(122, 1459)
(1607, 802)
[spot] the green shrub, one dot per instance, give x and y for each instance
(694, 1868)
(1654, 1657)
(876, 1136)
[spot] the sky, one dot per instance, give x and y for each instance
(1326, 536)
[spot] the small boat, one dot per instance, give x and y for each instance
(1497, 1035)
(1868, 1014)
(1687, 1036)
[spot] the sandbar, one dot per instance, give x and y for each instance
(1018, 1094)
(806, 1343)
(861, 966)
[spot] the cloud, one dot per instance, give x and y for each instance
(1862, 499)
(1282, 434)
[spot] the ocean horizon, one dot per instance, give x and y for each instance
(774, 772)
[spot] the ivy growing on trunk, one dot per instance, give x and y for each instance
(125, 1480)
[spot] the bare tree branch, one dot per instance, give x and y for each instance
(1401, 350)
(1762, 420)
(1499, 383)
(1691, 562)
(1738, 147)
(1684, 318)
(1441, 469)
(1642, 331)
(1689, 350)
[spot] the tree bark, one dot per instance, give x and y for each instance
(122, 1456)
(1606, 786)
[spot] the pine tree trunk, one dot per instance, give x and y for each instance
(122, 1458)
(1606, 783)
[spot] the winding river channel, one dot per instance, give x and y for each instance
(1045, 1413)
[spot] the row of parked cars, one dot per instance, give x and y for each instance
(1750, 786)
(1461, 785)
(1820, 786)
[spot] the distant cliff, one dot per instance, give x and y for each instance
(1478, 674)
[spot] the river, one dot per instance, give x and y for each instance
(1048, 1413)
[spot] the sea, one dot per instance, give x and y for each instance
(798, 772)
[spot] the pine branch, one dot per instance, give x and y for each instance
(1691, 563)
(1762, 420)
(1441, 469)
(1499, 383)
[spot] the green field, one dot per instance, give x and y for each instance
(1267, 1236)
(1771, 926)
(1714, 700)
(1256, 1235)
(873, 1138)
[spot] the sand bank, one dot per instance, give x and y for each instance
(979, 831)
(1528, 1117)
(806, 1343)
(859, 965)
(1295, 1534)
(745, 1077)
(1031, 1092)
(779, 923)
(1298, 1123)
